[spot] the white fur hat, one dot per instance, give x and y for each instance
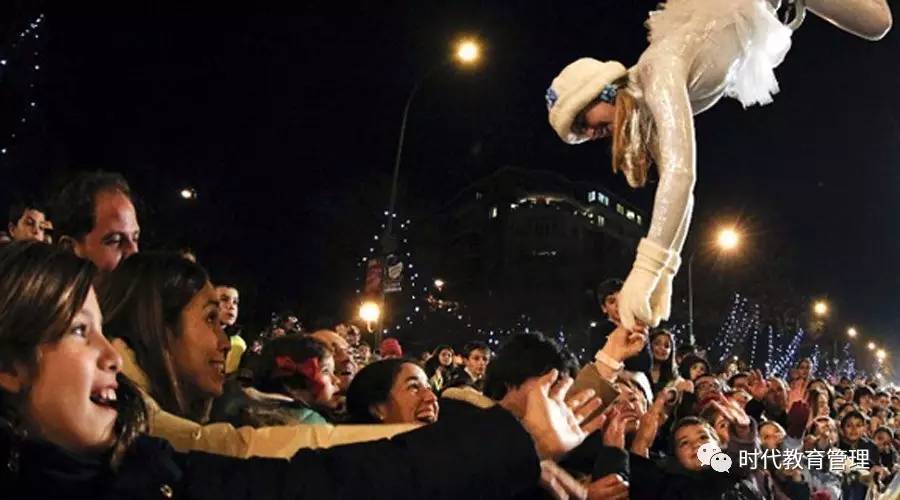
(574, 88)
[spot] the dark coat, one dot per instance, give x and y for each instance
(488, 457)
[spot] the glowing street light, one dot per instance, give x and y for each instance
(851, 332)
(369, 312)
(439, 284)
(820, 308)
(880, 355)
(189, 194)
(871, 346)
(728, 239)
(468, 51)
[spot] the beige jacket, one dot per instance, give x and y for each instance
(225, 439)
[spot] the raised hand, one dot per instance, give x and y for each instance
(623, 343)
(548, 420)
(583, 405)
(798, 392)
(559, 483)
(758, 385)
(614, 434)
(649, 425)
(611, 487)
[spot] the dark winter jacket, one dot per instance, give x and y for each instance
(492, 457)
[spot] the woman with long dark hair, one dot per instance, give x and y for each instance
(662, 366)
(439, 366)
(161, 312)
(392, 391)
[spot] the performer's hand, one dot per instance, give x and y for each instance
(634, 298)
(661, 298)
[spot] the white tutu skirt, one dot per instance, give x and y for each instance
(763, 39)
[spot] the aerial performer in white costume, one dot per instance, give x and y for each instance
(700, 50)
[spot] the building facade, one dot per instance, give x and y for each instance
(527, 248)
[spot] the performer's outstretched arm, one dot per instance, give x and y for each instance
(869, 19)
(664, 82)
(665, 91)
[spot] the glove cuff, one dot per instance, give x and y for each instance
(652, 257)
(674, 264)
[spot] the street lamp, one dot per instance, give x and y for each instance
(467, 52)
(871, 346)
(727, 240)
(880, 355)
(851, 332)
(439, 284)
(820, 308)
(189, 194)
(369, 312)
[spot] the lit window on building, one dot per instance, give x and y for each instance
(639, 221)
(630, 215)
(602, 198)
(478, 195)
(620, 209)
(601, 221)
(494, 212)
(592, 196)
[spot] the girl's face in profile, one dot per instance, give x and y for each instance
(71, 394)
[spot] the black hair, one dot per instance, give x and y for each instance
(861, 391)
(667, 368)
(607, 288)
(687, 362)
(434, 362)
(372, 386)
(883, 429)
(74, 208)
(524, 356)
(685, 422)
(853, 414)
(474, 345)
(735, 377)
(17, 209)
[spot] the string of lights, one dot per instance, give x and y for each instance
(20, 61)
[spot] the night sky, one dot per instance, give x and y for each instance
(286, 124)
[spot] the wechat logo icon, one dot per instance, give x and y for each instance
(710, 454)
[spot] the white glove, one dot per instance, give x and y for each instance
(634, 298)
(661, 299)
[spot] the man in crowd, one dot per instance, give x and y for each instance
(96, 218)
(477, 356)
(28, 222)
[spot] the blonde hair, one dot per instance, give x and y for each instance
(633, 135)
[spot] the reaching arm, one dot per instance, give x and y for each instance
(664, 79)
(869, 19)
(666, 96)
